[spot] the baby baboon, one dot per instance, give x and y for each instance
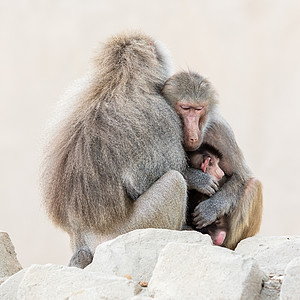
(114, 162)
(207, 159)
(240, 198)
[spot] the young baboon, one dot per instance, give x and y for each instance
(114, 162)
(207, 158)
(240, 198)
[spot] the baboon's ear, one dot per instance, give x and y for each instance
(205, 164)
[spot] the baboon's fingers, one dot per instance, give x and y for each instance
(199, 220)
(200, 225)
(215, 185)
(215, 188)
(195, 215)
(209, 191)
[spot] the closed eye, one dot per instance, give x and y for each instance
(184, 107)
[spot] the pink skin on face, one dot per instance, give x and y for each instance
(192, 116)
(219, 238)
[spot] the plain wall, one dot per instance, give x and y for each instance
(248, 49)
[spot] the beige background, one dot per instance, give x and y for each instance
(249, 49)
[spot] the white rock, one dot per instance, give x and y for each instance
(2, 279)
(9, 264)
(59, 282)
(191, 271)
(97, 293)
(143, 295)
(291, 283)
(136, 253)
(9, 289)
(140, 297)
(272, 253)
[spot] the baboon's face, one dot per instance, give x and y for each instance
(194, 100)
(193, 117)
(208, 163)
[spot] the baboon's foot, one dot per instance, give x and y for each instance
(81, 258)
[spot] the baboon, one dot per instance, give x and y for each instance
(240, 198)
(114, 163)
(207, 158)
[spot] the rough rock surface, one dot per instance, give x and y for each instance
(180, 265)
(8, 258)
(136, 253)
(9, 289)
(272, 253)
(59, 282)
(291, 283)
(192, 271)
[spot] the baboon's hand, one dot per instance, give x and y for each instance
(200, 181)
(204, 214)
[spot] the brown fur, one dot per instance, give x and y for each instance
(245, 220)
(117, 141)
(240, 198)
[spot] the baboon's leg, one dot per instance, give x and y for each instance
(163, 205)
(246, 218)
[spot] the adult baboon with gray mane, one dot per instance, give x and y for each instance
(113, 164)
(240, 199)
